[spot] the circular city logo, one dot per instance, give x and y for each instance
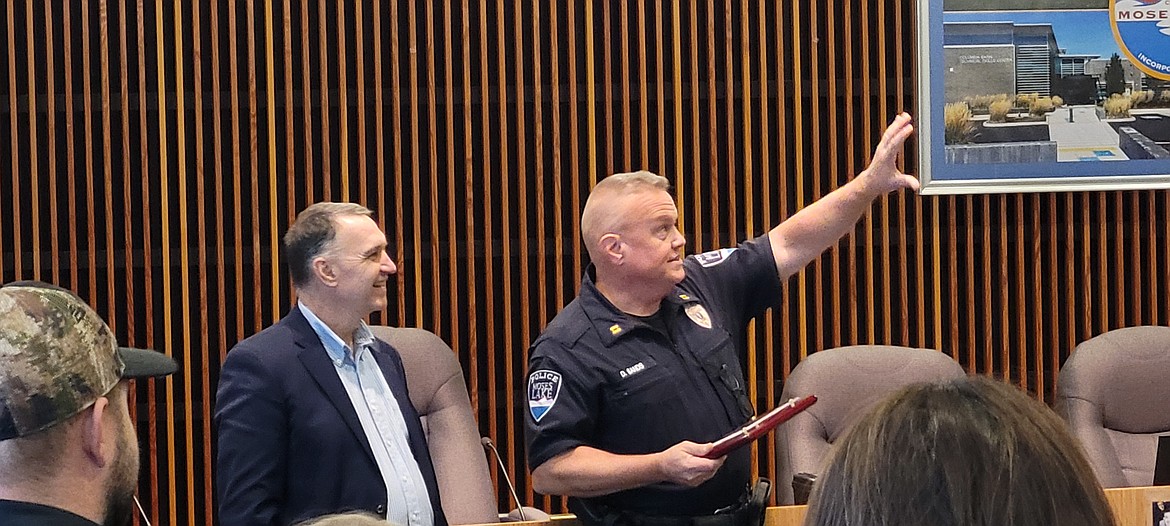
(1142, 30)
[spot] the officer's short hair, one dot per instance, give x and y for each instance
(311, 233)
(633, 181)
(595, 219)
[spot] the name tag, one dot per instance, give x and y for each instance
(632, 370)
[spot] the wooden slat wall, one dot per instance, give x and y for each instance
(153, 152)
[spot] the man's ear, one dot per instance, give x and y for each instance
(324, 272)
(612, 247)
(99, 448)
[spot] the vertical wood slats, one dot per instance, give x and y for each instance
(290, 123)
(323, 73)
(165, 211)
(415, 177)
(816, 270)
(850, 250)
(307, 102)
(538, 81)
(491, 110)
(51, 130)
(488, 248)
(453, 241)
(274, 217)
(147, 252)
(753, 372)
(254, 160)
(379, 126)
(433, 155)
(13, 133)
(396, 150)
(499, 324)
(512, 345)
(33, 157)
(201, 221)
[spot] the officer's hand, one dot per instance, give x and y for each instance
(882, 175)
(681, 464)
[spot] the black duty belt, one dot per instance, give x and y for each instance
(749, 511)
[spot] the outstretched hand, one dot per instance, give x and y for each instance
(684, 464)
(882, 175)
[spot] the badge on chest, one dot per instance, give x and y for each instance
(698, 314)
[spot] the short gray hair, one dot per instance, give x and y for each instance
(633, 181)
(310, 234)
(597, 216)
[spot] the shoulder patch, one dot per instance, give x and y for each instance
(714, 257)
(543, 388)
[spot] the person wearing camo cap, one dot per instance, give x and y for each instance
(68, 449)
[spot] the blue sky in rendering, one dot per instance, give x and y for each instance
(1081, 32)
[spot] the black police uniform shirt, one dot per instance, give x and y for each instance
(601, 378)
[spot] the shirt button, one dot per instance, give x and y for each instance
(381, 509)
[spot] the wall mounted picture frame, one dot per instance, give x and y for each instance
(1043, 95)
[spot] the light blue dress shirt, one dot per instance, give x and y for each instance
(408, 502)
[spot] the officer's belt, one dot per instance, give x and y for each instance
(748, 512)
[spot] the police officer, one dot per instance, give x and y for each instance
(633, 380)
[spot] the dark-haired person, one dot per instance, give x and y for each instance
(968, 452)
(68, 451)
(313, 413)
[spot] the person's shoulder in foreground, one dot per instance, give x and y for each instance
(968, 452)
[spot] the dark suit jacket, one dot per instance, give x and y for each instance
(291, 446)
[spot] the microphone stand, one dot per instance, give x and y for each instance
(487, 442)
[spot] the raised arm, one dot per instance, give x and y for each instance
(802, 237)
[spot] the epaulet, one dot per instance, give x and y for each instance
(562, 328)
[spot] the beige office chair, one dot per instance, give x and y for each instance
(438, 392)
(846, 382)
(1114, 391)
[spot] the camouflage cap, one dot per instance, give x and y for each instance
(57, 357)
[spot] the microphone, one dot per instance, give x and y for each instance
(141, 511)
(487, 442)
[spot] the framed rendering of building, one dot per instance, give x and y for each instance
(1038, 96)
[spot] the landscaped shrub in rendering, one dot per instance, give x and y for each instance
(983, 102)
(1057, 101)
(999, 110)
(1117, 106)
(1040, 106)
(1138, 99)
(957, 123)
(1024, 100)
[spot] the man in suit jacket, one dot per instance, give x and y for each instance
(313, 413)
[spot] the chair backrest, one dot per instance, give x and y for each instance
(846, 381)
(438, 392)
(1114, 391)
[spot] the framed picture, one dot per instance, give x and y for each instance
(1043, 95)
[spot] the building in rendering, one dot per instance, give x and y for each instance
(989, 58)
